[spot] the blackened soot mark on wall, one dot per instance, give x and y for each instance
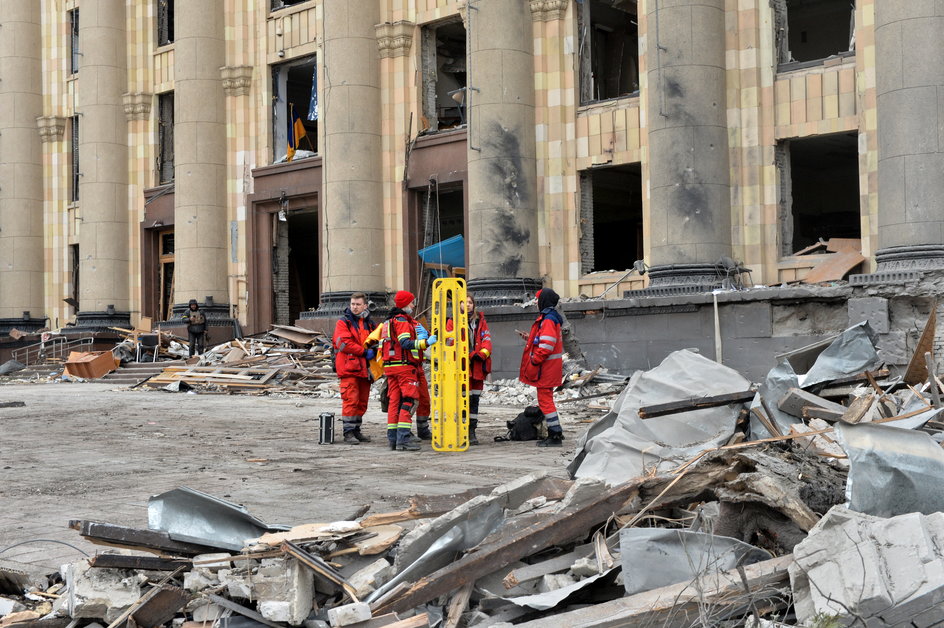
(691, 201)
(507, 170)
(673, 88)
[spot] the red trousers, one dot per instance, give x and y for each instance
(402, 391)
(423, 409)
(354, 394)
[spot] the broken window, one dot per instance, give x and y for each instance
(165, 137)
(610, 218)
(74, 132)
(295, 89)
(165, 22)
(609, 49)
(73, 41)
(75, 262)
(819, 190)
(444, 76)
(809, 30)
(281, 4)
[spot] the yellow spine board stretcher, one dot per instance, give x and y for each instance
(449, 359)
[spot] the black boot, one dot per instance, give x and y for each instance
(404, 440)
(554, 439)
(473, 425)
(350, 438)
(422, 428)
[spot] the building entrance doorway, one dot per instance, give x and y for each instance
(295, 265)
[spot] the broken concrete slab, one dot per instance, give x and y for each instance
(837, 569)
(8, 606)
(370, 578)
(349, 614)
(282, 587)
(99, 593)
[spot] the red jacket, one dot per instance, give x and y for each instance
(399, 348)
(480, 350)
(542, 363)
(349, 336)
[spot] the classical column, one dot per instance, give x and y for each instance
(352, 247)
(103, 161)
(690, 202)
(909, 52)
(21, 168)
(503, 195)
(201, 235)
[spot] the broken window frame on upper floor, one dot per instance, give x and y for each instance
(275, 5)
(165, 22)
(165, 138)
(280, 110)
(445, 88)
(782, 34)
(596, 30)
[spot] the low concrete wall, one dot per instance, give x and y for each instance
(756, 325)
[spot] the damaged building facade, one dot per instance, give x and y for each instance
(144, 162)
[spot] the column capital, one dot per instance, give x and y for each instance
(548, 10)
(137, 105)
(394, 39)
(237, 79)
(51, 128)
(463, 7)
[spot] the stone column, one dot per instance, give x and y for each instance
(103, 164)
(690, 202)
(352, 247)
(909, 51)
(503, 195)
(201, 235)
(21, 168)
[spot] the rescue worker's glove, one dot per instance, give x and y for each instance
(369, 354)
(431, 340)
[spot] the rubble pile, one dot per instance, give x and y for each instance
(700, 499)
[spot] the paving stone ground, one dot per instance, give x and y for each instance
(91, 451)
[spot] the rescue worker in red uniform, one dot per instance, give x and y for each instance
(401, 351)
(350, 363)
(542, 363)
(480, 361)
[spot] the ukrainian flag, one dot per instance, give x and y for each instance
(296, 131)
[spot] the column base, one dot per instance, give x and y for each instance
(27, 325)
(900, 264)
(674, 279)
(101, 321)
(333, 305)
(493, 292)
(220, 326)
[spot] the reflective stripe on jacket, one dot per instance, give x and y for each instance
(542, 362)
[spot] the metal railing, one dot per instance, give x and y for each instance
(57, 347)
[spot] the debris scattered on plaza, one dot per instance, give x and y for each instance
(700, 498)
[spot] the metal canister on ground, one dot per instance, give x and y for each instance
(326, 428)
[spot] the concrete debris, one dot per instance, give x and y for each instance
(880, 571)
(696, 492)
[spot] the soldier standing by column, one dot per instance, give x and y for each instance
(196, 328)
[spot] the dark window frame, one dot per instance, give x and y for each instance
(165, 138)
(165, 22)
(76, 173)
(74, 51)
(593, 40)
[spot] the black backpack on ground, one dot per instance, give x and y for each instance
(529, 425)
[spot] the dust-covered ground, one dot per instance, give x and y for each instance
(92, 451)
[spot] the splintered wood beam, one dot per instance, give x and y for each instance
(148, 563)
(134, 538)
(675, 407)
(560, 528)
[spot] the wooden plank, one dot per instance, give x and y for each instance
(457, 605)
(683, 604)
(134, 538)
(835, 245)
(917, 371)
(320, 567)
(835, 268)
(540, 569)
(554, 529)
(148, 563)
(932, 380)
(695, 403)
(160, 607)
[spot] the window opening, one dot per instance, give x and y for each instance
(295, 88)
(74, 41)
(611, 236)
(444, 76)
(809, 30)
(819, 190)
(165, 138)
(609, 49)
(275, 5)
(74, 128)
(75, 263)
(165, 22)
